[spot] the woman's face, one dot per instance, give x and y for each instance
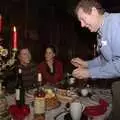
(24, 56)
(49, 54)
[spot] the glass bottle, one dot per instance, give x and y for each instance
(20, 92)
(39, 100)
(20, 110)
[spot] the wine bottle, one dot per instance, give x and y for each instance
(39, 100)
(20, 92)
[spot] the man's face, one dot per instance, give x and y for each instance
(24, 56)
(90, 21)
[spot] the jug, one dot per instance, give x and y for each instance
(76, 109)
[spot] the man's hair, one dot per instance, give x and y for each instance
(87, 6)
(22, 48)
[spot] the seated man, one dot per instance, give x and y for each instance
(51, 68)
(29, 71)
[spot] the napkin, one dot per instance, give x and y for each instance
(97, 110)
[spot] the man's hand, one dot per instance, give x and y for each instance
(77, 62)
(81, 73)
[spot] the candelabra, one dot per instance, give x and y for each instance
(6, 64)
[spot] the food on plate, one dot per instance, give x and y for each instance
(51, 99)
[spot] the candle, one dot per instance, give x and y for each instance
(39, 77)
(14, 38)
(0, 23)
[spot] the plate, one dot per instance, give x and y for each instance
(30, 93)
(105, 97)
(30, 99)
(64, 99)
(57, 105)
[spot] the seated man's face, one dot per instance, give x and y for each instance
(24, 56)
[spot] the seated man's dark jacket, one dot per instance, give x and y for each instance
(29, 77)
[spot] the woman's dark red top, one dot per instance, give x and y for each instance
(47, 76)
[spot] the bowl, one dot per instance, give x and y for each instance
(84, 92)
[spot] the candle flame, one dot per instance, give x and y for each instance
(14, 29)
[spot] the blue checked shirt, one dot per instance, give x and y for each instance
(107, 64)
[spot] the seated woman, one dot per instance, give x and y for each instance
(51, 68)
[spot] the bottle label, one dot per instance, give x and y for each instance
(17, 94)
(39, 105)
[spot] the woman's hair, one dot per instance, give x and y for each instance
(87, 6)
(53, 48)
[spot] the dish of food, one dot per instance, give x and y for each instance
(50, 98)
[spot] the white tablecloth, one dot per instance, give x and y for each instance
(52, 113)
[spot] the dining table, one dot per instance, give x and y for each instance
(58, 112)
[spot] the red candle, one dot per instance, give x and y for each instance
(0, 23)
(15, 41)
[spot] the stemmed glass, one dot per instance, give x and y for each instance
(19, 113)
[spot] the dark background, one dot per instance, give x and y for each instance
(40, 22)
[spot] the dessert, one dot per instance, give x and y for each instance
(51, 99)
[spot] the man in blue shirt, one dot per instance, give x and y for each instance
(107, 65)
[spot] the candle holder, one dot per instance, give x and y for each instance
(6, 64)
(6, 61)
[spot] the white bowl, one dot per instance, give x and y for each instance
(84, 92)
(71, 80)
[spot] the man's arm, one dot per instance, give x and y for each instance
(109, 70)
(112, 67)
(95, 62)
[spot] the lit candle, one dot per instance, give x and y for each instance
(0, 23)
(15, 41)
